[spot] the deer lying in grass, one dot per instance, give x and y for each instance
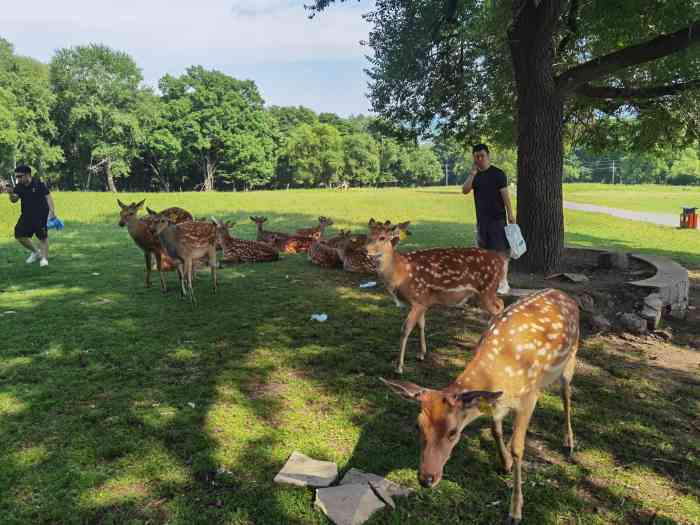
(185, 243)
(270, 237)
(527, 347)
(317, 231)
(446, 276)
(140, 232)
(353, 253)
(324, 253)
(240, 250)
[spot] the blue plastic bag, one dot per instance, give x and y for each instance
(55, 223)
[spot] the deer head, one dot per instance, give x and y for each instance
(382, 239)
(443, 416)
(222, 230)
(128, 212)
(159, 224)
(258, 220)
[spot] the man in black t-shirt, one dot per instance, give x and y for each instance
(493, 206)
(37, 207)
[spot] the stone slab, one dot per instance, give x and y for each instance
(350, 504)
(303, 471)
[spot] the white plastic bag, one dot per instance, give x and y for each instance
(516, 241)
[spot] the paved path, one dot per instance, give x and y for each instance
(664, 219)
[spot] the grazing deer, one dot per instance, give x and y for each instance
(184, 243)
(140, 232)
(175, 215)
(527, 347)
(324, 253)
(317, 231)
(240, 250)
(446, 276)
(274, 238)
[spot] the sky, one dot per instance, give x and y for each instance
(294, 61)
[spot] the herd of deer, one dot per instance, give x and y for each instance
(525, 348)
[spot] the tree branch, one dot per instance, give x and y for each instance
(630, 56)
(611, 93)
(571, 24)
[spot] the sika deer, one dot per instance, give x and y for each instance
(317, 231)
(175, 215)
(527, 347)
(324, 253)
(446, 276)
(185, 243)
(240, 250)
(354, 255)
(274, 238)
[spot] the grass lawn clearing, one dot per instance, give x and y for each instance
(120, 405)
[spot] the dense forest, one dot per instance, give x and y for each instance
(86, 121)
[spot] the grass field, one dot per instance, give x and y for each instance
(644, 197)
(120, 405)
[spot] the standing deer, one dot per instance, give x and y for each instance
(446, 276)
(185, 243)
(140, 232)
(274, 238)
(317, 231)
(241, 250)
(353, 253)
(527, 347)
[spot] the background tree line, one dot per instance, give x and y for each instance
(86, 121)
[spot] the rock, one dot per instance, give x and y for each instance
(586, 303)
(350, 504)
(384, 488)
(600, 323)
(652, 310)
(613, 260)
(666, 335)
(633, 323)
(303, 471)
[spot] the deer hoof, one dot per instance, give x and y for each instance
(513, 521)
(421, 357)
(399, 369)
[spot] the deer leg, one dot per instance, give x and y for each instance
(408, 326)
(212, 266)
(503, 454)
(522, 421)
(159, 265)
(181, 277)
(491, 303)
(566, 399)
(147, 256)
(423, 344)
(189, 263)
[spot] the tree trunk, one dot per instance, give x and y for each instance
(209, 170)
(540, 146)
(110, 178)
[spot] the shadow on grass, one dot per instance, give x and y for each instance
(121, 405)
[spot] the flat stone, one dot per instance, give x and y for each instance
(613, 260)
(350, 504)
(600, 323)
(358, 477)
(633, 323)
(670, 282)
(302, 471)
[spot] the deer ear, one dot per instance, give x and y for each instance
(138, 205)
(121, 204)
(371, 222)
(480, 398)
(407, 390)
(230, 224)
(150, 211)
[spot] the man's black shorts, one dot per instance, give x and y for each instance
(492, 236)
(30, 226)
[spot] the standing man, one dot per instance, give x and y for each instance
(493, 206)
(37, 207)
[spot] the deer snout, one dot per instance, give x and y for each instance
(122, 224)
(428, 480)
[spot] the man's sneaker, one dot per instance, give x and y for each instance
(33, 257)
(43, 262)
(503, 289)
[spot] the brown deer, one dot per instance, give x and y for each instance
(317, 231)
(324, 253)
(423, 278)
(527, 347)
(270, 237)
(175, 215)
(240, 250)
(140, 232)
(185, 243)
(354, 255)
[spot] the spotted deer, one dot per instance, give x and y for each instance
(354, 255)
(317, 231)
(240, 250)
(175, 215)
(527, 347)
(324, 253)
(140, 231)
(270, 237)
(444, 276)
(185, 243)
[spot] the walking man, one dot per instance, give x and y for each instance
(493, 206)
(37, 208)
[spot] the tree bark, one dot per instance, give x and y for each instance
(540, 141)
(110, 178)
(209, 170)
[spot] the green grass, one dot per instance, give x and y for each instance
(645, 197)
(119, 405)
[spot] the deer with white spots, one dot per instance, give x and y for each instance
(526, 348)
(444, 276)
(237, 251)
(317, 231)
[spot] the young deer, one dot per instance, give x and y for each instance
(185, 243)
(140, 232)
(317, 231)
(274, 238)
(446, 276)
(527, 347)
(240, 250)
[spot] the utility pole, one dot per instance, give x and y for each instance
(613, 171)
(446, 174)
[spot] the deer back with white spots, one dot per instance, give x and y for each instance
(270, 237)
(241, 250)
(527, 347)
(423, 278)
